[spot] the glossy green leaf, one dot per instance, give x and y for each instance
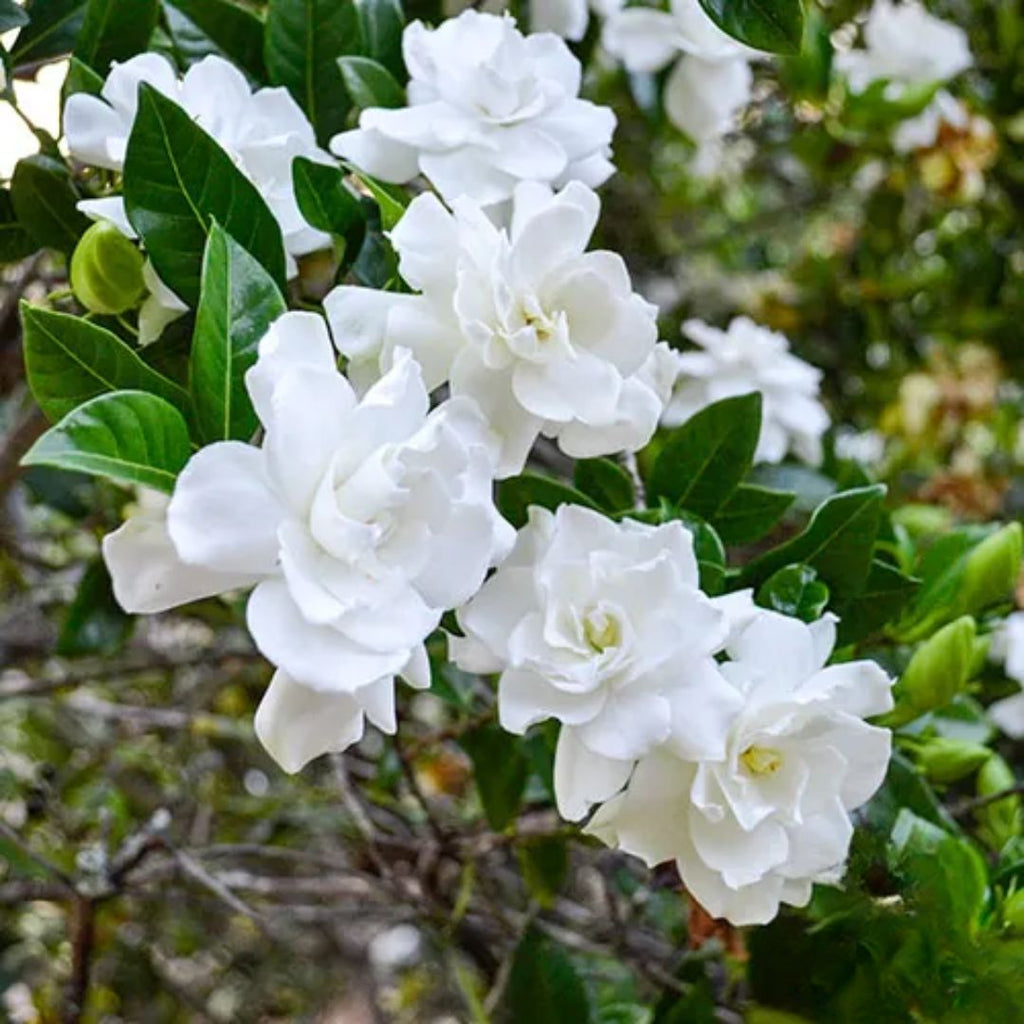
(69, 360)
(238, 303)
(81, 78)
(45, 201)
(177, 180)
(776, 26)
(795, 591)
(114, 30)
(704, 460)
(52, 30)
(543, 986)
(886, 592)
(235, 30)
(500, 770)
(11, 16)
(941, 869)
(326, 202)
(710, 552)
(518, 493)
(383, 23)
(838, 542)
(391, 201)
(904, 787)
(15, 242)
(750, 512)
(303, 41)
(94, 622)
(128, 436)
(370, 84)
(606, 482)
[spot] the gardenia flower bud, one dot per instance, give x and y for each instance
(905, 45)
(760, 825)
(488, 108)
(601, 625)
(261, 131)
(544, 336)
(363, 521)
(747, 357)
(106, 271)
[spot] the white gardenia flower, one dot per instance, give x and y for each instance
(488, 108)
(759, 826)
(747, 357)
(1007, 647)
(710, 82)
(601, 625)
(261, 131)
(544, 336)
(906, 46)
(358, 523)
(568, 18)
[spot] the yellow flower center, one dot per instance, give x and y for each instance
(602, 631)
(761, 760)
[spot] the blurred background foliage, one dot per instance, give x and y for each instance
(156, 866)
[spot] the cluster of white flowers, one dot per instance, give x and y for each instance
(744, 772)
(544, 336)
(710, 82)
(747, 357)
(702, 729)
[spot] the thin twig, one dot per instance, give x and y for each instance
(965, 807)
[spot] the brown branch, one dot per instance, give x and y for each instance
(83, 943)
(965, 807)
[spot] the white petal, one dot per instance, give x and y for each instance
(644, 40)
(296, 723)
(583, 778)
(380, 157)
(223, 515)
(110, 208)
(148, 575)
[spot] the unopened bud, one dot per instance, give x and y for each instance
(106, 271)
(1001, 820)
(992, 568)
(945, 760)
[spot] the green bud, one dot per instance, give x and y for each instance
(1013, 911)
(106, 270)
(945, 760)
(992, 569)
(923, 520)
(938, 671)
(1001, 821)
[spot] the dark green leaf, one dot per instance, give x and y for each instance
(81, 78)
(304, 39)
(708, 548)
(517, 494)
(176, 181)
(795, 591)
(69, 360)
(884, 596)
(905, 787)
(45, 201)
(15, 241)
(838, 542)
(51, 32)
(370, 84)
(94, 622)
(128, 436)
(606, 482)
(750, 512)
(238, 303)
(773, 25)
(235, 30)
(704, 460)
(943, 870)
(545, 865)
(391, 201)
(115, 30)
(11, 16)
(809, 485)
(543, 986)
(383, 24)
(500, 770)
(327, 203)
